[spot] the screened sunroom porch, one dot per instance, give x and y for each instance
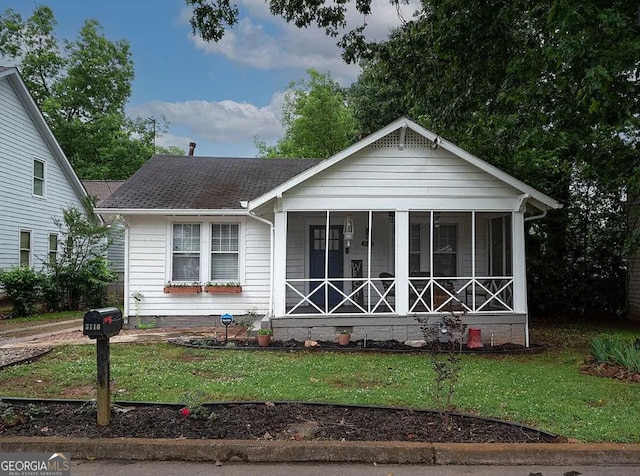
(399, 263)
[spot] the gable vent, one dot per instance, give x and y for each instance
(412, 140)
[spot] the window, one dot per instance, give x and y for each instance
(225, 252)
(53, 247)
(38, 178)
(415, 238)
(186, 252)
(25, 248)
(445, 250)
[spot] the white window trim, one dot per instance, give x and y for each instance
(20, 249)
(240, 253)
(170, 249)
(44, 177)
(205, 245)
(49, 250)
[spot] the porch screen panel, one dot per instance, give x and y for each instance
(415, 239)
(186, 252)
(225, 251)
(500, 250)
(445, 250)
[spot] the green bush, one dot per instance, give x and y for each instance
(23, 285)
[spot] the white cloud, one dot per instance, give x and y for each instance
(263, 41)
(222, 122)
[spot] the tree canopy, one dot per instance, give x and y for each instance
(82, 87)
(547, 91)
(316, 118)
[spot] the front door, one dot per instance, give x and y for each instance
(318, 245)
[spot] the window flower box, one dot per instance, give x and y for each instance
(173, 288)
(223, 288)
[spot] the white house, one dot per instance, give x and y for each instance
(399, 225)
(36, 182)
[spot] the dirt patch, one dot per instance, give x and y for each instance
(256, 421)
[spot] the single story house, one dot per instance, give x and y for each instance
(399, 225)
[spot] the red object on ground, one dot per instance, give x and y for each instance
(474, 341)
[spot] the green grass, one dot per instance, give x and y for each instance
(544, 390)
(39, 319)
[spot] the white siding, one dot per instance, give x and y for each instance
(383, 176)
(20, 142)
(149, 263)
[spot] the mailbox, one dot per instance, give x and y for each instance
(104, 322)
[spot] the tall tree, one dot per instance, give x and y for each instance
(547, 90)
(549, 93)
(82, 88)
(316, 119)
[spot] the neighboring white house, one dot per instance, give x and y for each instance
(36, 182)
(399, 225)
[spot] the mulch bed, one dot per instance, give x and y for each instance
(607, 370)
(358, 345)
(258, 421)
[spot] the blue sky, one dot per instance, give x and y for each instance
(219, 95)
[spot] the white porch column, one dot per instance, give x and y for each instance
(519, 264)
(279, 264)
(402, 262)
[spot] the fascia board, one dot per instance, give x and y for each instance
(172, 211)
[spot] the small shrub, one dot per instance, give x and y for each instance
(446, 365)
(616, 350)
(23, 286)
(194, 406)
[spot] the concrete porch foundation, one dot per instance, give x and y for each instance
(500, 328)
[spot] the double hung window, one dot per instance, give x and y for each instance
(53, 247)
(186, 252)
(38, 178)
(25, 248)
(225, 252)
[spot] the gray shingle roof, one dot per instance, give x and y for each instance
(174, 182)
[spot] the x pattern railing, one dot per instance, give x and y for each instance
(377, 296)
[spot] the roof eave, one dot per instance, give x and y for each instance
(173, 211)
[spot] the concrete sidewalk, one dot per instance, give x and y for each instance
(255, 451)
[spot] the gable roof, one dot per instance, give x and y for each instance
(540, 200)
(169, 183)
(101, 189)
(13, 76)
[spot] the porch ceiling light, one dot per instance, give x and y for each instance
(348, 230)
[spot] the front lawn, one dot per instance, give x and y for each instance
(544, 390)
(37, 319)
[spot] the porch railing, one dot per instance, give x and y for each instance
(348, 296)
